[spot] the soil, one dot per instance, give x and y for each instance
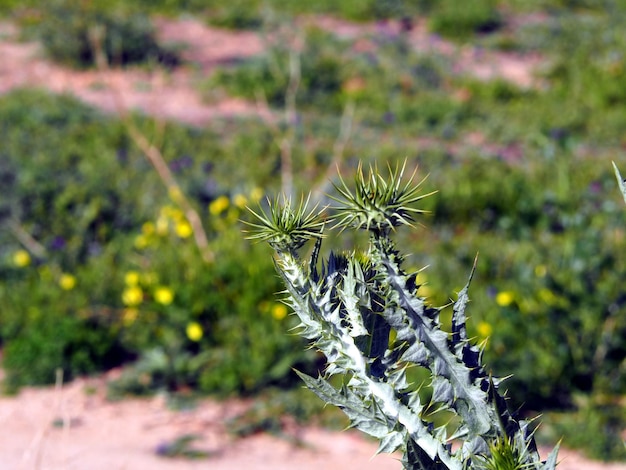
(173, 94)
(75, 426)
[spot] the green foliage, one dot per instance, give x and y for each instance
(74, 33)
(98, 268)
(52, 329)
(364, 313)
(321, 74)
(250, 14)
(597, 427)
(554, 280)
(393, 86)
(198, 327)
(182, 446)
(462, 21)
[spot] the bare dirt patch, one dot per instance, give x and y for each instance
(173, 94)
(160, 93)
(519, 69)
(76, 428)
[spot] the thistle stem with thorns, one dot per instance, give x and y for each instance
(363, 311)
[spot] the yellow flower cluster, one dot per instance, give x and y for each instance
(169, 217)
(219, 205)
(129, 316)
(133, 294)
(237, 203)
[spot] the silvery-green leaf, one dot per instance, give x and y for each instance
(350, 294)
(620, 181)
(413, 327)
(392, 442)
(550, 463)
(442, 390)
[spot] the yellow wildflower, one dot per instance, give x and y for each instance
(141, 242)
(183, 229)
(175, 194)
(240, 201)
(505, 298)
(279, 311)
(547, 296)
(194, 331)
(129, 315)
(541, 270)
(131, 278)
(21, 258)
(219, 205)
(147, 228)
(484, 329)
(162, 225)
(67, 281)
(163, 295)
(132, 296)
(170, 212)
(256, 194)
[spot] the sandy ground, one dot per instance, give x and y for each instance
(76, 428)
(173, 94)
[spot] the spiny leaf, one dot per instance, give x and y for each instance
(620, 181)
(414, 327)
(550, 463)
(368, 419)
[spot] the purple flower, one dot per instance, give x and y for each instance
(58, 243)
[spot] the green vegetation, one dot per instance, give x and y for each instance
(82, 34)
(99, 264)
(108, 270)
(477, 16)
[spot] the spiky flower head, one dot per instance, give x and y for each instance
(378, 204)
(503, 456)
(286, 227)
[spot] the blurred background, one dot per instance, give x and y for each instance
(124, 186)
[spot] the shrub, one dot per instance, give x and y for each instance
(461, 22)
(391, 85)
(74, 33)
(189, 319)
(83, 210)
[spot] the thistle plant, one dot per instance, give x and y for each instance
(362, 310)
